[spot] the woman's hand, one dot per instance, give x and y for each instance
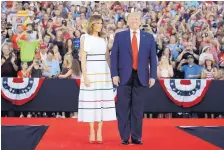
(86, 82)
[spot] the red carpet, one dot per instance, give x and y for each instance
(158, 134)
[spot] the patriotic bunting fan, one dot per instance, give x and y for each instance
(20, 90)
(186, 93)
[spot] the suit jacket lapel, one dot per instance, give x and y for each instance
(129, 41)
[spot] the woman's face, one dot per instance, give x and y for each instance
(185, 36)
(166, 51)
(55, 49)
(24, 66)
(97, 26)
(69, 42)
(164, 59)
(208, 62)
(77, 33)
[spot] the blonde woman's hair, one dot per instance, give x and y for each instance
(68, 60)
(93, 19)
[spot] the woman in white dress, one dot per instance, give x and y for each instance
(96, 97)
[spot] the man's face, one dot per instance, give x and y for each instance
(43, 50)
(190, 61)
(27, 37)
(19, 29)
(134, 21)
(47, 39)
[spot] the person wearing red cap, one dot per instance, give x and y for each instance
(42, 53)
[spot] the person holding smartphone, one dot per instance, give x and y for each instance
(52, 69)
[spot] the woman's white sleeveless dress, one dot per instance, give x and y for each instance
(96, 103)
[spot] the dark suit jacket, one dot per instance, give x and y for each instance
(121, 57)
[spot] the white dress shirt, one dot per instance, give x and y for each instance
(137, 35)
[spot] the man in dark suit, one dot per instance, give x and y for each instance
(131, 53)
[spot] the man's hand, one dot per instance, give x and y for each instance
(116, 80)
(190, 76)
(183, 61)
(151, 82)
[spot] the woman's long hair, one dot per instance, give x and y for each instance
(212, 64)
(66, 44)
(76, 67)
(92, 20)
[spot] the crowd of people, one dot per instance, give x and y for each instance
(42, 39)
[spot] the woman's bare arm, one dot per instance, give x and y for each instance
(83, 57)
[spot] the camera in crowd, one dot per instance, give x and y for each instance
(145, 27)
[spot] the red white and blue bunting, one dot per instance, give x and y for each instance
(20, 90)
(186, 93)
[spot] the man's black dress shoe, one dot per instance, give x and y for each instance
(137, 142)
(125, 142)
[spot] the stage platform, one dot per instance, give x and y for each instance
(158, 134)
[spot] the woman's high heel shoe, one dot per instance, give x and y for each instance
(99, 139)
(99, 142)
